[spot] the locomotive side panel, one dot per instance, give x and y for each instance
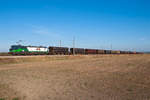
(27, 50)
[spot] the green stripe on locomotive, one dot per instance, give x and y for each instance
(19, 50)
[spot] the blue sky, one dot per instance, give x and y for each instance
(94, 23)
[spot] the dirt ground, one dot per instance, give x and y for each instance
(103, 77)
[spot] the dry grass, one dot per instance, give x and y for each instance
(4, 54)
(103, 77)
(21, 59)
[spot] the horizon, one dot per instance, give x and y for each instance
(97, 24)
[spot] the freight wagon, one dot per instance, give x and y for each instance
(123, 52)
(58, 50)
(107, 51)
(100, 51)
(130, 52)
(90, 51)
(134, 52)
(115, 52)
(77, 51)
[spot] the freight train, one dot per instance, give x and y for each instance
(40, 50)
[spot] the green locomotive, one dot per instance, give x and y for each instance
(28, 50)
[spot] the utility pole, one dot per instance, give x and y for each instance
(73, 45)
(111, 46)
(60, 43)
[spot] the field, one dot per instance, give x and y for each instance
(88, 77)
(4, 54)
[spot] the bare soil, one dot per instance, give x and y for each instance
(101, 77)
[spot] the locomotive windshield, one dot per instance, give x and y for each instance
(14, 47)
